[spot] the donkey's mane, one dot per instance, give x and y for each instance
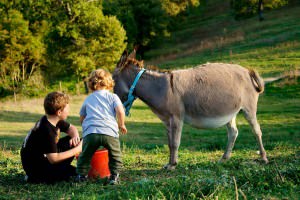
(140, 64)
(135, 62)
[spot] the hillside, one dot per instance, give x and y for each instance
(211, 34)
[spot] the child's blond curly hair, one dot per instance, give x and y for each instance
(100, 78)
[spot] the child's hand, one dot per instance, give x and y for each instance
(123, 129)
(78, 148)
(74, 141)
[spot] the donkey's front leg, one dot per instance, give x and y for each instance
(174, 136)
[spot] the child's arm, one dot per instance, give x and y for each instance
(81, 119)
(121, 118)
(73, 133)
(58, 157)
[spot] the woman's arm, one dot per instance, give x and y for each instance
(58, 157)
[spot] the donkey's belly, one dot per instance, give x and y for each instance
(208, 122)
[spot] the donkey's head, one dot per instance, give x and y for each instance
(123, 76)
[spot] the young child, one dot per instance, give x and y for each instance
(45, 157)
(99, 125)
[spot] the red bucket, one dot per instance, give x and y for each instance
(99, 164)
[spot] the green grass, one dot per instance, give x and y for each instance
(198, 174)
(271, 46)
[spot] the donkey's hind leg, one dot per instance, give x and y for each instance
(251, 118)
(232, 133)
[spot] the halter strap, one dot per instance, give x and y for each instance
(130, 98)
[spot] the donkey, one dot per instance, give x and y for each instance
(206, 96)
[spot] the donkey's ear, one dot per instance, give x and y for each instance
(133, 53)
(122, 59)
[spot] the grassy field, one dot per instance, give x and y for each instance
(211, 34)
(145, 151)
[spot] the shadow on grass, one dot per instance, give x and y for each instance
(137, 107)
(149, 136)
(12, 179)
(11, 142)
(13, 116)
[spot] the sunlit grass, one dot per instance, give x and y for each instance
(271, 46)
(145, 152)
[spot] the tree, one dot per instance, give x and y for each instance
(64, 38)
(260, 10)
(123, 10)
(247, 8)
(146, 20)
(174, 7)
(83, 39)
(21, 52)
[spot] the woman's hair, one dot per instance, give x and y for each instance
(54, 102)
(100, 78)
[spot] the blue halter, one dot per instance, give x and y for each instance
(131, 97)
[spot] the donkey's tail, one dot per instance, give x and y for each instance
(257, 81)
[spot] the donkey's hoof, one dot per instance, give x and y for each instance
(223, 159)
(169, 167)
(265, 160)
(263, 157)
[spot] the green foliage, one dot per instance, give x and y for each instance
(88, 40)
(55, 39)
(174, 7)
(124, 12)
(35, 86)
(246, 8)
(34, 11)
(145, 21)
(21, 51)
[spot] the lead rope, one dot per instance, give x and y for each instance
(130, 98)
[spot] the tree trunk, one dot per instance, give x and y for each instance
(23, 71)
(31, 71)
(85, 86)
(260, 10)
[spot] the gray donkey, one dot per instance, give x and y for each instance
(207, 96)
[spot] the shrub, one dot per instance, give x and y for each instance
(247, 8)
